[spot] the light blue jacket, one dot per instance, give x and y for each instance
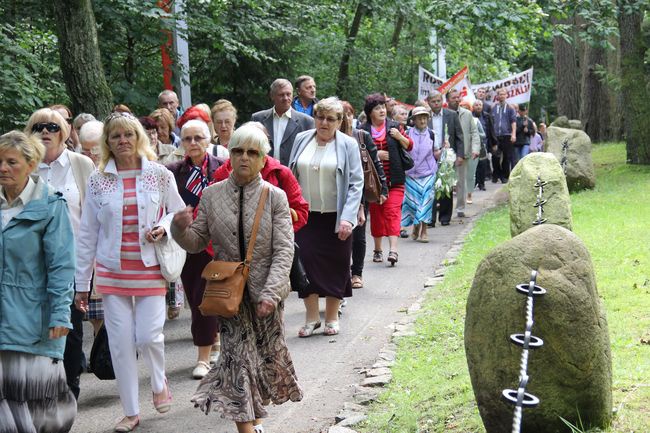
(349, 174)
(36, 275)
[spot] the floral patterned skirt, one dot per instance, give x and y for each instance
(254, 368)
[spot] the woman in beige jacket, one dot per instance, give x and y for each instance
(255, 367)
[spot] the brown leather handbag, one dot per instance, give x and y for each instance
(225, 281)
(371, 182)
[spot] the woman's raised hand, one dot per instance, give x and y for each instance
(183, 218)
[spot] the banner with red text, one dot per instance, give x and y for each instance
(518, 87)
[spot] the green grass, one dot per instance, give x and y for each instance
(431, 389)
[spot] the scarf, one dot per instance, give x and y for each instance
(197, 180)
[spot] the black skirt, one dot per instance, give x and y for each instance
(326, 258)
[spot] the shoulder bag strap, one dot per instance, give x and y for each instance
(256, 224)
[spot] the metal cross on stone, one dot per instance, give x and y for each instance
(519, 397)
(539, 204)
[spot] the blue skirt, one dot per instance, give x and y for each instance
(418, 200)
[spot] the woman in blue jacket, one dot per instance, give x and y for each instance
(36, 289)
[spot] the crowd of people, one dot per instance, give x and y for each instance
(85, 205)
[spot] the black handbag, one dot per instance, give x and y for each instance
(298, 275)
(407, 160)
(100, 356)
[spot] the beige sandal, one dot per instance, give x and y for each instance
(127, 425)
(357, 282)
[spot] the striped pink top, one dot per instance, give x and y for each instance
(134, 278)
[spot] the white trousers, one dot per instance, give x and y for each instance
(135, 323)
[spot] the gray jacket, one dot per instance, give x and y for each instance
(299, 122)
(218, 221)
(349, 174)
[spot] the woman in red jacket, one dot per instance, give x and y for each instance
(277, 175)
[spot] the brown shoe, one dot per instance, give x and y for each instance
(127, 424)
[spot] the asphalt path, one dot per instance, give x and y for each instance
(327, 367)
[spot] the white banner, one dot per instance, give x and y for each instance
(518, 87)
(427, 82)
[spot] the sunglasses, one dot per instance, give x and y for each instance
(327, 119)
(238, 152)
(50, 126)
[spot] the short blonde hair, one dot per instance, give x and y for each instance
(28, 145)
(329, 105)
(250, 132)
(45, 115)
(223, 105)
(128, 122)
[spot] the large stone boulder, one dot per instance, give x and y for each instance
(579, 165)
(564, 122)
(523, 193)
(571, 372)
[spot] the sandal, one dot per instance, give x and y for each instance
(392, 257)
(163, 406)
(357, 282)
(377, 256)
(308, 329)
(416, 233)
(403, 234)
(127, 425)
(331, 328)
(258, 428)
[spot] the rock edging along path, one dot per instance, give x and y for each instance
(379, 374)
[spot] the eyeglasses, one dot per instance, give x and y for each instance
(197, 138)
(238, 152)
(50, 126)
(327, 119)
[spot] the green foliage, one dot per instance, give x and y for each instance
(29, 67)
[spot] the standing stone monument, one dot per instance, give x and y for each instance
(523, 193)
(571, 372)
(579, 165)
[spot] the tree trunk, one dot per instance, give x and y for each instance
(594, 107)
(344, 66)
(81, 65)
(567, 87)
(398, 30)
(615, 97)
(635, 85)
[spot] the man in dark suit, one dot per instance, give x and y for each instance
(446, 124)
(282, 121)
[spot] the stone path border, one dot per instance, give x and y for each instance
(379, 375)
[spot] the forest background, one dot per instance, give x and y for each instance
(591, 57)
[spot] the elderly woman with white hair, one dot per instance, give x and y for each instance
(193, 174)
(129, 207)
(90, 135)
(255, 367)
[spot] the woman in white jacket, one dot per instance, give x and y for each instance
(128, 206)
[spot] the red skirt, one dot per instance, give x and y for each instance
(385, 219)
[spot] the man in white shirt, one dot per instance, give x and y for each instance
(282, 122)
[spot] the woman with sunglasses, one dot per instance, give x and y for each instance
(129, 206)
(255, 367)
(193, 173)
(327, 164)
(67, 172)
